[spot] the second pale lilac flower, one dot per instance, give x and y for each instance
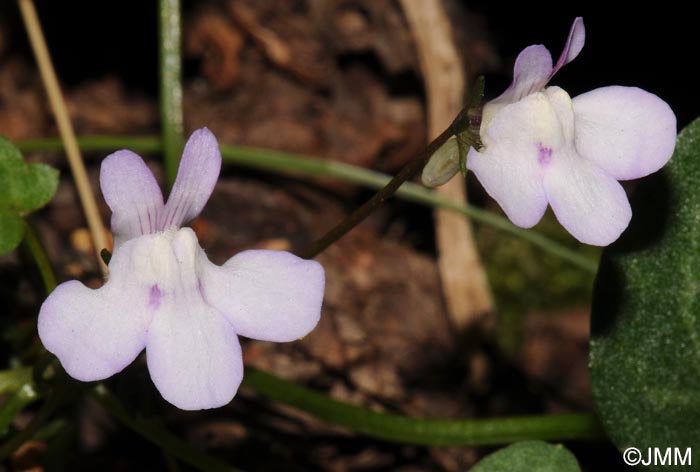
(164, 295)
(541, 147)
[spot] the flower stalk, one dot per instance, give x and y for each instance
(170, 56)
(460, 127)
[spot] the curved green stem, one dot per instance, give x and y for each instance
(170, 57)
(391, 427)
(36, 250)
(142, 144)
(286, 163)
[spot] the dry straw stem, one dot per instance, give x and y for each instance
(464, 283)
(65, 128)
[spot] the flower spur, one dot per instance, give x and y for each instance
(164, 295)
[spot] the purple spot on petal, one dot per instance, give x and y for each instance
(544, 154)
(154, 297)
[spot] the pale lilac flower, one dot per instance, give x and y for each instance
(164, 295)
(541, 147)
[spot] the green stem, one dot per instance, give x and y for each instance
(404, 429)
(170, 85)
(159, 436)
(342, 228)
(36, 250)
(142, 144)
(25, 394)
(286, 163)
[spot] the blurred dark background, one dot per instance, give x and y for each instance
(653, 48)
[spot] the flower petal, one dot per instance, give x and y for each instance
(131, 191)
(97, 333)
(267, 295)
(563, 107)
(626, 131)
(588, 202)
(573, 46)
(530, 74)
(196, 177)
(193, 353)
(518, 145)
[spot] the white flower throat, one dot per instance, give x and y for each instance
(167, 260)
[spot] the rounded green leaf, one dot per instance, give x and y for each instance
(8, 153)
(645, 327)
(11, 231)
(23, 187)
(529, 456)
(10, 163)
(35, 186)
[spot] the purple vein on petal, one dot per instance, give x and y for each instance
(177, 214)
(172, 216)
(150, 221)
(154, 218)
(167, 216)
(154, 297)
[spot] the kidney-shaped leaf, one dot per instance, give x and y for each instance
(529, 456)
(23, 188)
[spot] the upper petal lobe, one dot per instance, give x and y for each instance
(533, 70)
(573, 46)
(530, 74)
(196, 177)
(133, 195)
